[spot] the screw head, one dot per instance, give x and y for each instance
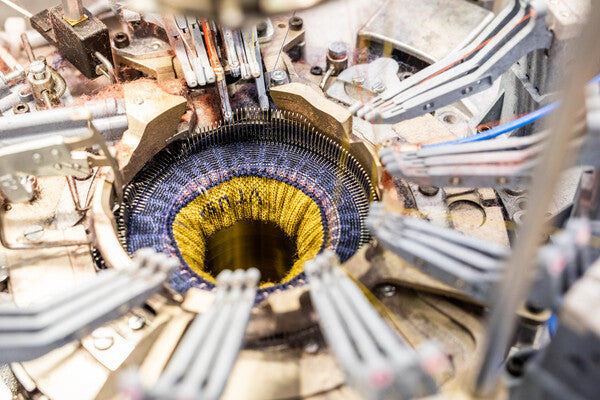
(278, 77)
(136, 322)
(296, 23)
(121, 40)
(316, 70)
(21, 108)
(386, 290)
(103, 339)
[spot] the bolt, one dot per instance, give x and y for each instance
(278, 77)
(103, 338)
(337, 50)
(429, 190)
(316, 70)
(121, 40)
(21, 108)
(296, 23)
(311, 347)
(38, 69)
(136, 322)
(33, 232)
(386, 290)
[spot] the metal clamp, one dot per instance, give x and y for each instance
(378, 363)
(26, 334)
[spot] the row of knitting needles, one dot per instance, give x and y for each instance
(206, 52)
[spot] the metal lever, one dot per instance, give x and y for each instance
(203, 360)
(490, 163)
(378, 363)
(468, 264)
(514, 33)
(26, 334)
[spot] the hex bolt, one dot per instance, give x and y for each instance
(377, 87)
(121, 40)
(278, 77)
(296, 23)
(33, 232)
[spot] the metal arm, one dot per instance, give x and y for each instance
(377, 361)
(26, 334)
(471, 265)
(515, 32)
(203, 361)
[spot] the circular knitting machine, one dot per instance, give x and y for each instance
(266, 191)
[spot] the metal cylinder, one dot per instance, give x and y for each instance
(72, 10)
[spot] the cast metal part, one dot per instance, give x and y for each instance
(31, 332)
(77, 40)
(204, 358)
(471, 265)
(378, 363)
(467, 71)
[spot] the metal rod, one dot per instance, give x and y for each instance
(72, 10)
(517, 281)
(17, 8)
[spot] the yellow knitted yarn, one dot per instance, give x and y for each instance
(249, 198)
